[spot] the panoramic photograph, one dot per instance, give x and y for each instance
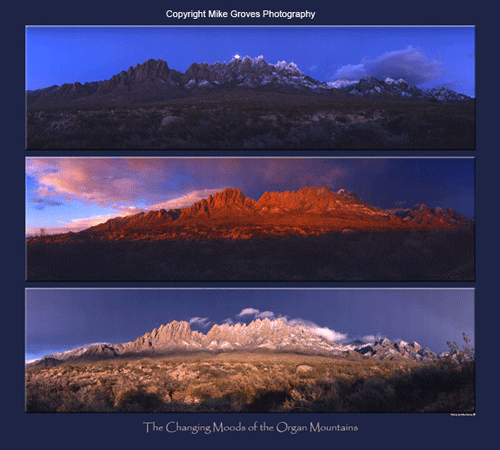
(250, 350)
(250, 219)
(176, 88)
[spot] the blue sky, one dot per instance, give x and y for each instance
(62, 319)
(69, 194)
(425, 56)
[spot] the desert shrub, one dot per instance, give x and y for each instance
(136, 400)
(465, 355)
(268, 401)
(361, 136)
(343, 118)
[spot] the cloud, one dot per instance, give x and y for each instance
(324, 332)
(411, 64)
(74, 226)
(185, 200)
(200, 321)
(257, 314)
(328, 333)
(248, 312)
(351, 72)
(158, 182)
(42, 203)
(371, 337)
(132, 185)
(98, 181)
(266, 314)
(331, 179)
(121, 210)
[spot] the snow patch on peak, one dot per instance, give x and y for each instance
(342, 83)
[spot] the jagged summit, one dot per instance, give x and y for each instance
(154, 80)
(276, 335)
(229, 214)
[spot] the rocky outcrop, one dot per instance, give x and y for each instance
(384, 348)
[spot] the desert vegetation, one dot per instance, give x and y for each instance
(385, 256)
(251, 382)
(229, 119)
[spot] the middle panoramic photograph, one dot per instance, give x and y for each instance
(250, 219)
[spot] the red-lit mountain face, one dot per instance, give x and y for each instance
(231, 215)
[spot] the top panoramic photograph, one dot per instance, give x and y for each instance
(250, 88)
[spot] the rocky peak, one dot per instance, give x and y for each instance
(370, 86)
(152, 69)
(444, 94)
(383, 342)
(273, 335)
(227, 197)
(436, 217)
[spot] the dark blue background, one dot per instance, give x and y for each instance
(126, 430)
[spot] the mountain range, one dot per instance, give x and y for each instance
(231, 215)
(260, 335)
(154, 81)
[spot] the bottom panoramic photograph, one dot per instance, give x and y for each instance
(250, 350)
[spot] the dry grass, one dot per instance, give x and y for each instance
(245, 382)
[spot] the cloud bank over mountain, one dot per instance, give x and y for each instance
(410, 64)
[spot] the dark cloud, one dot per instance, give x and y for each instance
(43, 202)
(410, 64)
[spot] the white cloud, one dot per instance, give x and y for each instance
(121, 210)
(324, 332)
(248, 312)
(186, 200)
(266, 314)
(74, 226)
(329, 334)
(371, 337)
(200, 321)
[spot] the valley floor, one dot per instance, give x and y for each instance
(365, 256)
(260, 120)
(250, 382)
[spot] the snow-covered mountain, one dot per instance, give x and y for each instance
(270, 335)
(250, 72)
